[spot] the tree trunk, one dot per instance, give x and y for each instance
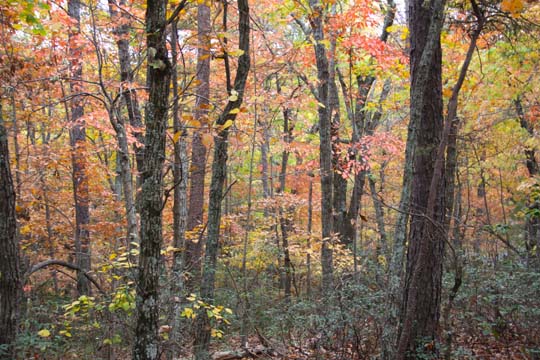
(284, 222)
(325, 147)
(219, 164)
(129, 95)
(198, 150)
(361, 128)
(158, 80)
(180, 180)
(532, 224)
(77, 136)
(382, 247)
(10, 277)
(422, 288)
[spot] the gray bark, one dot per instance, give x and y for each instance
(77, 136)
(180, 180)
(10, 277)
(158, 79)
(422, 288)
(129, 95)
(532, 224)
(219, 163)
(198, 150)
(325, 147)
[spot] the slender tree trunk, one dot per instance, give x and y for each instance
(158, 79)
(457, 265)
(284, 222)
(379, 217)
(325, 147)
(198, 150)
(16, 146)
(265, 148)
(10, 277)
(77, 135)
(532, 224)
(48, 221)
(309, 231)
(339, 196)
(180, 179)
(422, 288)
(358, 117)
(395, 269)
(245, 298)
(125, 176)
(129, 95)
(219, 164)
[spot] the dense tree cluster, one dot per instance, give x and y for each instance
(224, 179)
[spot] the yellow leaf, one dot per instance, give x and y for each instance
(25, 229)
(227, 124)
(176, 136)
(188, 313)
(237, 52)
(44, 333)
(65, 333)
(234, 95)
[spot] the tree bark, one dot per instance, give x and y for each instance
(198, 149)
(180, 180)
(77, 136)
(10, 277)
(284, 222)
(219, 163)
(360, 127)
(129, 94)
(325, 147)
(422, 288)
(158, 79)
(532, 224)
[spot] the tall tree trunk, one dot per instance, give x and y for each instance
(16, 147)
(77, 136)
(129, 95)
(219, 164)
(325, 147)
(10, 277)
(309, 231)
(358, 119)
(180, 179)
(198, 150)
(158, 80)
(532, 224)
(382, 247)
(422, 288)
(284, 222)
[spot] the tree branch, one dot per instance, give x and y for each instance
(44, 264)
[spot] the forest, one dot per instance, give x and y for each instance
(269, 179)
